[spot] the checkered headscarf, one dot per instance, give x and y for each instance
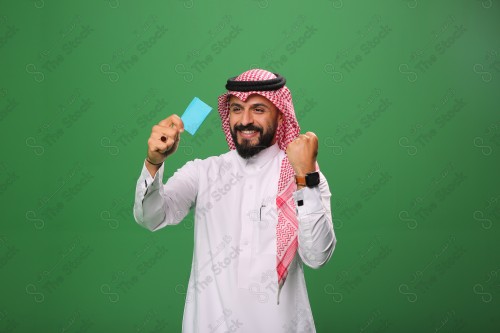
(287, 131)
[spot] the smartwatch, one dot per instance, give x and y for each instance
(310, 180)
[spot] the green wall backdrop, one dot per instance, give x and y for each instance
(403, 96)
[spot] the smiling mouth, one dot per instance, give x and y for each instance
(248, 134)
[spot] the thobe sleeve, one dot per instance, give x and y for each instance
(156, 204)
(315, 235)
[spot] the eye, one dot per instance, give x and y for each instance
(259, 110)
(235, 109)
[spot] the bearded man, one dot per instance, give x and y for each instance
(261, 211)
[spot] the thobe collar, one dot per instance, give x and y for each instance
(259, 160)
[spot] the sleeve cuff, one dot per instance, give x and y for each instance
(151, 183)
(311, 200)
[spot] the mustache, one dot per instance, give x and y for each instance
(249, 127)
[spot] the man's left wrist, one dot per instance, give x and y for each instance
(304, 172)
(310, 179)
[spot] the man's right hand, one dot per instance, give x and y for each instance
(170, 128)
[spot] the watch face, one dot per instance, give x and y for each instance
(312, 179)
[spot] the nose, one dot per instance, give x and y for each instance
(247, 117)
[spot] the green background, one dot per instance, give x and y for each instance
(403, 96)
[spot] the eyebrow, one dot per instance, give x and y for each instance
(253, 105)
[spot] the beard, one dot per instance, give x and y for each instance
(246, 149)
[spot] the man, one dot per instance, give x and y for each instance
(261, 211)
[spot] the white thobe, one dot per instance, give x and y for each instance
(233, 282)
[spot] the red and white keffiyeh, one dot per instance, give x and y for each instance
(287, 131)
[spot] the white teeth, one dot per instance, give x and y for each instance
(248, 132)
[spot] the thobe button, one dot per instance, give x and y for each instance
(245, 242)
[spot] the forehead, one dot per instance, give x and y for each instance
(252, 99)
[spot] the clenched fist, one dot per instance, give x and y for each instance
(302, 153)
(164, 139)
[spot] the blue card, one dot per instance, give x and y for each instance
(195, 114)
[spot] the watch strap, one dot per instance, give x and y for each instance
(300, 180)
